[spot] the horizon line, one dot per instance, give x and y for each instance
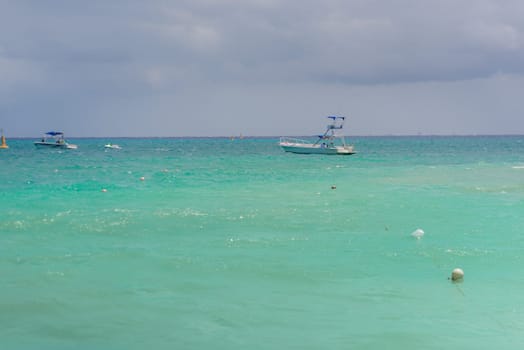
(272, 136)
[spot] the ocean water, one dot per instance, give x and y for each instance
(235, 244)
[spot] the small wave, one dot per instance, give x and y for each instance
(63, 213)
(188, 212)
(122, 210)
(518, 167)
(17, 225)
(472, 252)
(263, 241)
(55, 273)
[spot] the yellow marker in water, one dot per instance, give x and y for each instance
(3, 145)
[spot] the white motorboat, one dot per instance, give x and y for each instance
(112, 146)
(328, 143)
(54, 139)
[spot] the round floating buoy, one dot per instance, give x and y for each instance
(142, 178)
(104, 190)
(457, 275)
(418, 233)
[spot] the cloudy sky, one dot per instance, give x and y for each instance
(261, 67)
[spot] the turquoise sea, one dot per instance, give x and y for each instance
(235, 244)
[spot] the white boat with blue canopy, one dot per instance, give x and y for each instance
(328, 143)
(54, 139)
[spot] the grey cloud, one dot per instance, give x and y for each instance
(352, 41)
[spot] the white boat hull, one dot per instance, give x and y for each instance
(41, 144)
(310, 148)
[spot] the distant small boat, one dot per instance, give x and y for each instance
(112, 146)
(3, 144)
(54, 139)
(328, 143)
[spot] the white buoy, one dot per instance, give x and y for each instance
(142, 178)
(104, 190)
(418, 233)
(457, 275)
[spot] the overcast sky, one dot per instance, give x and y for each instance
(261, 67)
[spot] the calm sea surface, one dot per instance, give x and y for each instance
(239, 245)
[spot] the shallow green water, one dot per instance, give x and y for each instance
(236, 244)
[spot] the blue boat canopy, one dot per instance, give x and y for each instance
(54, 133)
(335, 117)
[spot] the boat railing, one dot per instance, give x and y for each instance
(293, 140)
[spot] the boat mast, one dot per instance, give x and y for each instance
(336, 124)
